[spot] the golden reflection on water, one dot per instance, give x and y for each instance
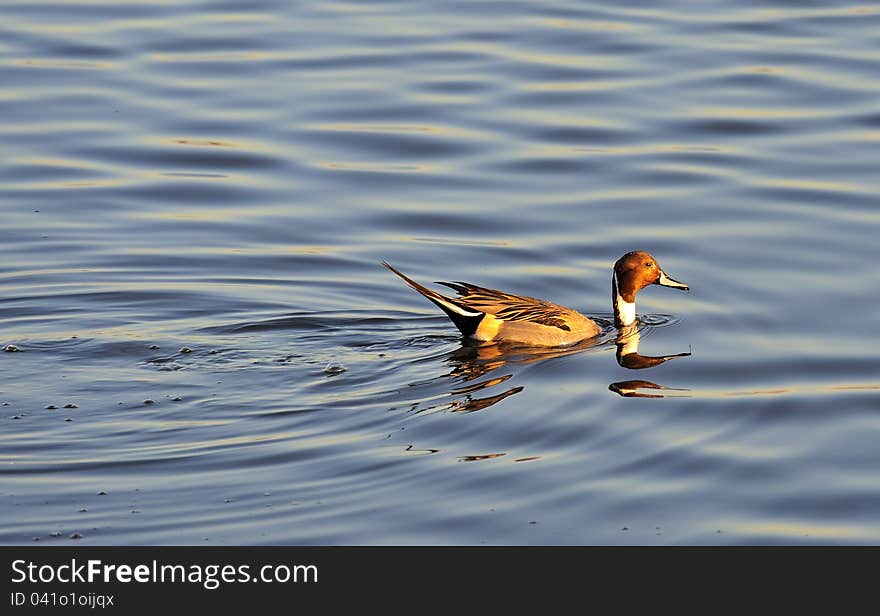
(225, 57)
(695, 169)
(195, 176)
(777, 529)
(867, 136)
(54, 63)
(44, 161)
(797, 390)
(633, 193)
(208, 214)
(806, 184)
(813, 74)
(525, 56)
(394, 128)
(588, 24)
(96, 26)
(761, 15)
(54, 125)
(375, 167)
(596, 85)
(762, 112)
(55, 185)
(450, 240)
(661, 148)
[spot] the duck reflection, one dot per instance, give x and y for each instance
(628, 356)
(630, 389)
(477, 366)
(473, 361)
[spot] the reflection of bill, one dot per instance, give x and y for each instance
(628, 351)
(630, 389)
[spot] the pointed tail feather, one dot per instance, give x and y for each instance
(465, 319)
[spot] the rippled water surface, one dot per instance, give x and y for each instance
(195, 198)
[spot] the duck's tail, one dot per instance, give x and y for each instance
(465, 319)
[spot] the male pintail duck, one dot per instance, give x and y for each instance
(487, 314)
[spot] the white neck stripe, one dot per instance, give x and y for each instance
(626, 311)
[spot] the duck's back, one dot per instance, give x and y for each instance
(518, 318)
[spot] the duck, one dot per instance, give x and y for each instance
(489, 315)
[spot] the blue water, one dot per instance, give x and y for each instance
(195, 198)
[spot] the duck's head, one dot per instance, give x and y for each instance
(633, 272)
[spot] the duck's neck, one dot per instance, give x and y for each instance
(624, 311)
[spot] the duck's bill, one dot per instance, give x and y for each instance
(666, 281)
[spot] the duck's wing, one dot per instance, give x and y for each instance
(510, 307)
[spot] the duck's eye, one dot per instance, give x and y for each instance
(648, 264)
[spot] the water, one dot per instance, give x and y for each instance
(195, 199)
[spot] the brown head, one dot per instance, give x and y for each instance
(633, 272)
